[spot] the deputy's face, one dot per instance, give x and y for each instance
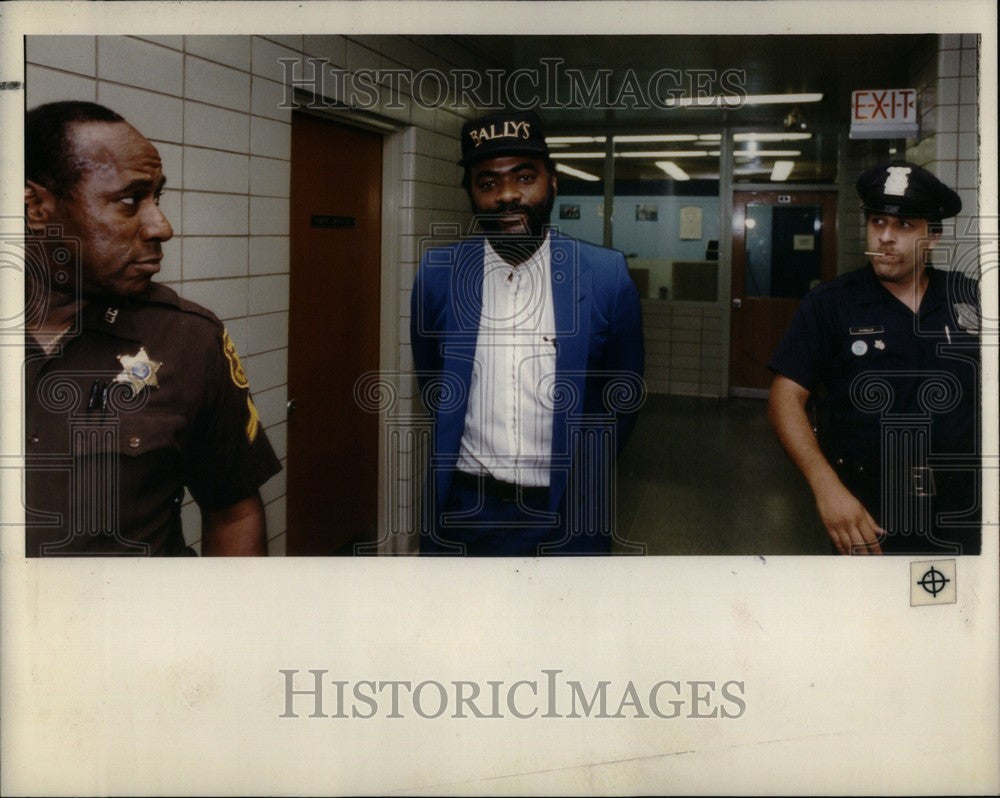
(901, 244)
(114, 208)
(512, 195)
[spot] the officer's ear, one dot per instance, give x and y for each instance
(39, 206)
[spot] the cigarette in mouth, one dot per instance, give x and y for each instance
(874, 253)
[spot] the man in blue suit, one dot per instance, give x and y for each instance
(529, 355)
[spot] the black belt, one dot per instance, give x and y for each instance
(923, 480)
(498, 489)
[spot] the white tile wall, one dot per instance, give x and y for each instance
(49, 85)
(267, 369)
(269, 294)
(267, 56)
(208, 126)
(214, 257)
(269, 216)
(268, 255)
(215, 214)
(215, 84)
(269, 99)
(173, 42)
(232, 51)
(270, 177)
(214, 170)
(70, 53)
(134, 62)
(271, 138)
(157, 116)
(267, 331)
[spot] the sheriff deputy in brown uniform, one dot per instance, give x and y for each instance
(131, 392)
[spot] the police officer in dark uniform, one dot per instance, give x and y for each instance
(131, 393)
(890, 354)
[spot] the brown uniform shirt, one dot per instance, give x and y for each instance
(142, 398)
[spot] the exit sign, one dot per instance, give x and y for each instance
(884, 114)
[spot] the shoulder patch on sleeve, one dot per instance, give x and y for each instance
(253, 420)
(236, 371)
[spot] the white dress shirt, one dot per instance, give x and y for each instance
(508, 424)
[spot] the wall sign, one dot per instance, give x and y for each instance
(690, 223)
(320, 220)
(884, 114)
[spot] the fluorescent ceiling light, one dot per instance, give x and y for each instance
(767, 153)
(569, 170)
(710, 137)
(575, 139)
(636, 154)
(781, 170)
(651, 138)
(771, 136)
(750, 99)
(673, 170)
(662, 154)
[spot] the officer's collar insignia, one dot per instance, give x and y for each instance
(110, 315)
(138, 370)
(966, 316)
(897, 181)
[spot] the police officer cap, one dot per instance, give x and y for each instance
(507, 133)
(901, 188)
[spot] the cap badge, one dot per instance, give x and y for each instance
(897, 182)
(138, 371)
(511, 129)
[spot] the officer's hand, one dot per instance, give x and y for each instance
(849, 524)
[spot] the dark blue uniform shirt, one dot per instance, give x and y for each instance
(897, 400)
(869, 359)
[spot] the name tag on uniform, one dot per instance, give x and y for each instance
(867, 330)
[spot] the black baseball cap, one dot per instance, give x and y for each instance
(507, 133)
(904, 189)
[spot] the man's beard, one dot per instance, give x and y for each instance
(516, 247)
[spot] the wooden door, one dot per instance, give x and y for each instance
(336, 196)
(783, 244)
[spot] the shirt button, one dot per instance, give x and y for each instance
(134, 441)
(33, 439)
(840, 461)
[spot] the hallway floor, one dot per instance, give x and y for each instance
(708, 476)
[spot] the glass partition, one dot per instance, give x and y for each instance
(785, 156)
(667, 213)
(580, 165)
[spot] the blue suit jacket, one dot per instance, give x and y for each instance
(599, 364)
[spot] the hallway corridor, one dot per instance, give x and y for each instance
(708, 476)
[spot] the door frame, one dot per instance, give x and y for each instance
(808, 195)
(390, 284)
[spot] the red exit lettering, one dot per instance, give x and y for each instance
(884, 105)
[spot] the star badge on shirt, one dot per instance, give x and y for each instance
(138, 371)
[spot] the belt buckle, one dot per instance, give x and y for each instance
(922, 481)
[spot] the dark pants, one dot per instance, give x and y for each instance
(944, 520)
(486, 517)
